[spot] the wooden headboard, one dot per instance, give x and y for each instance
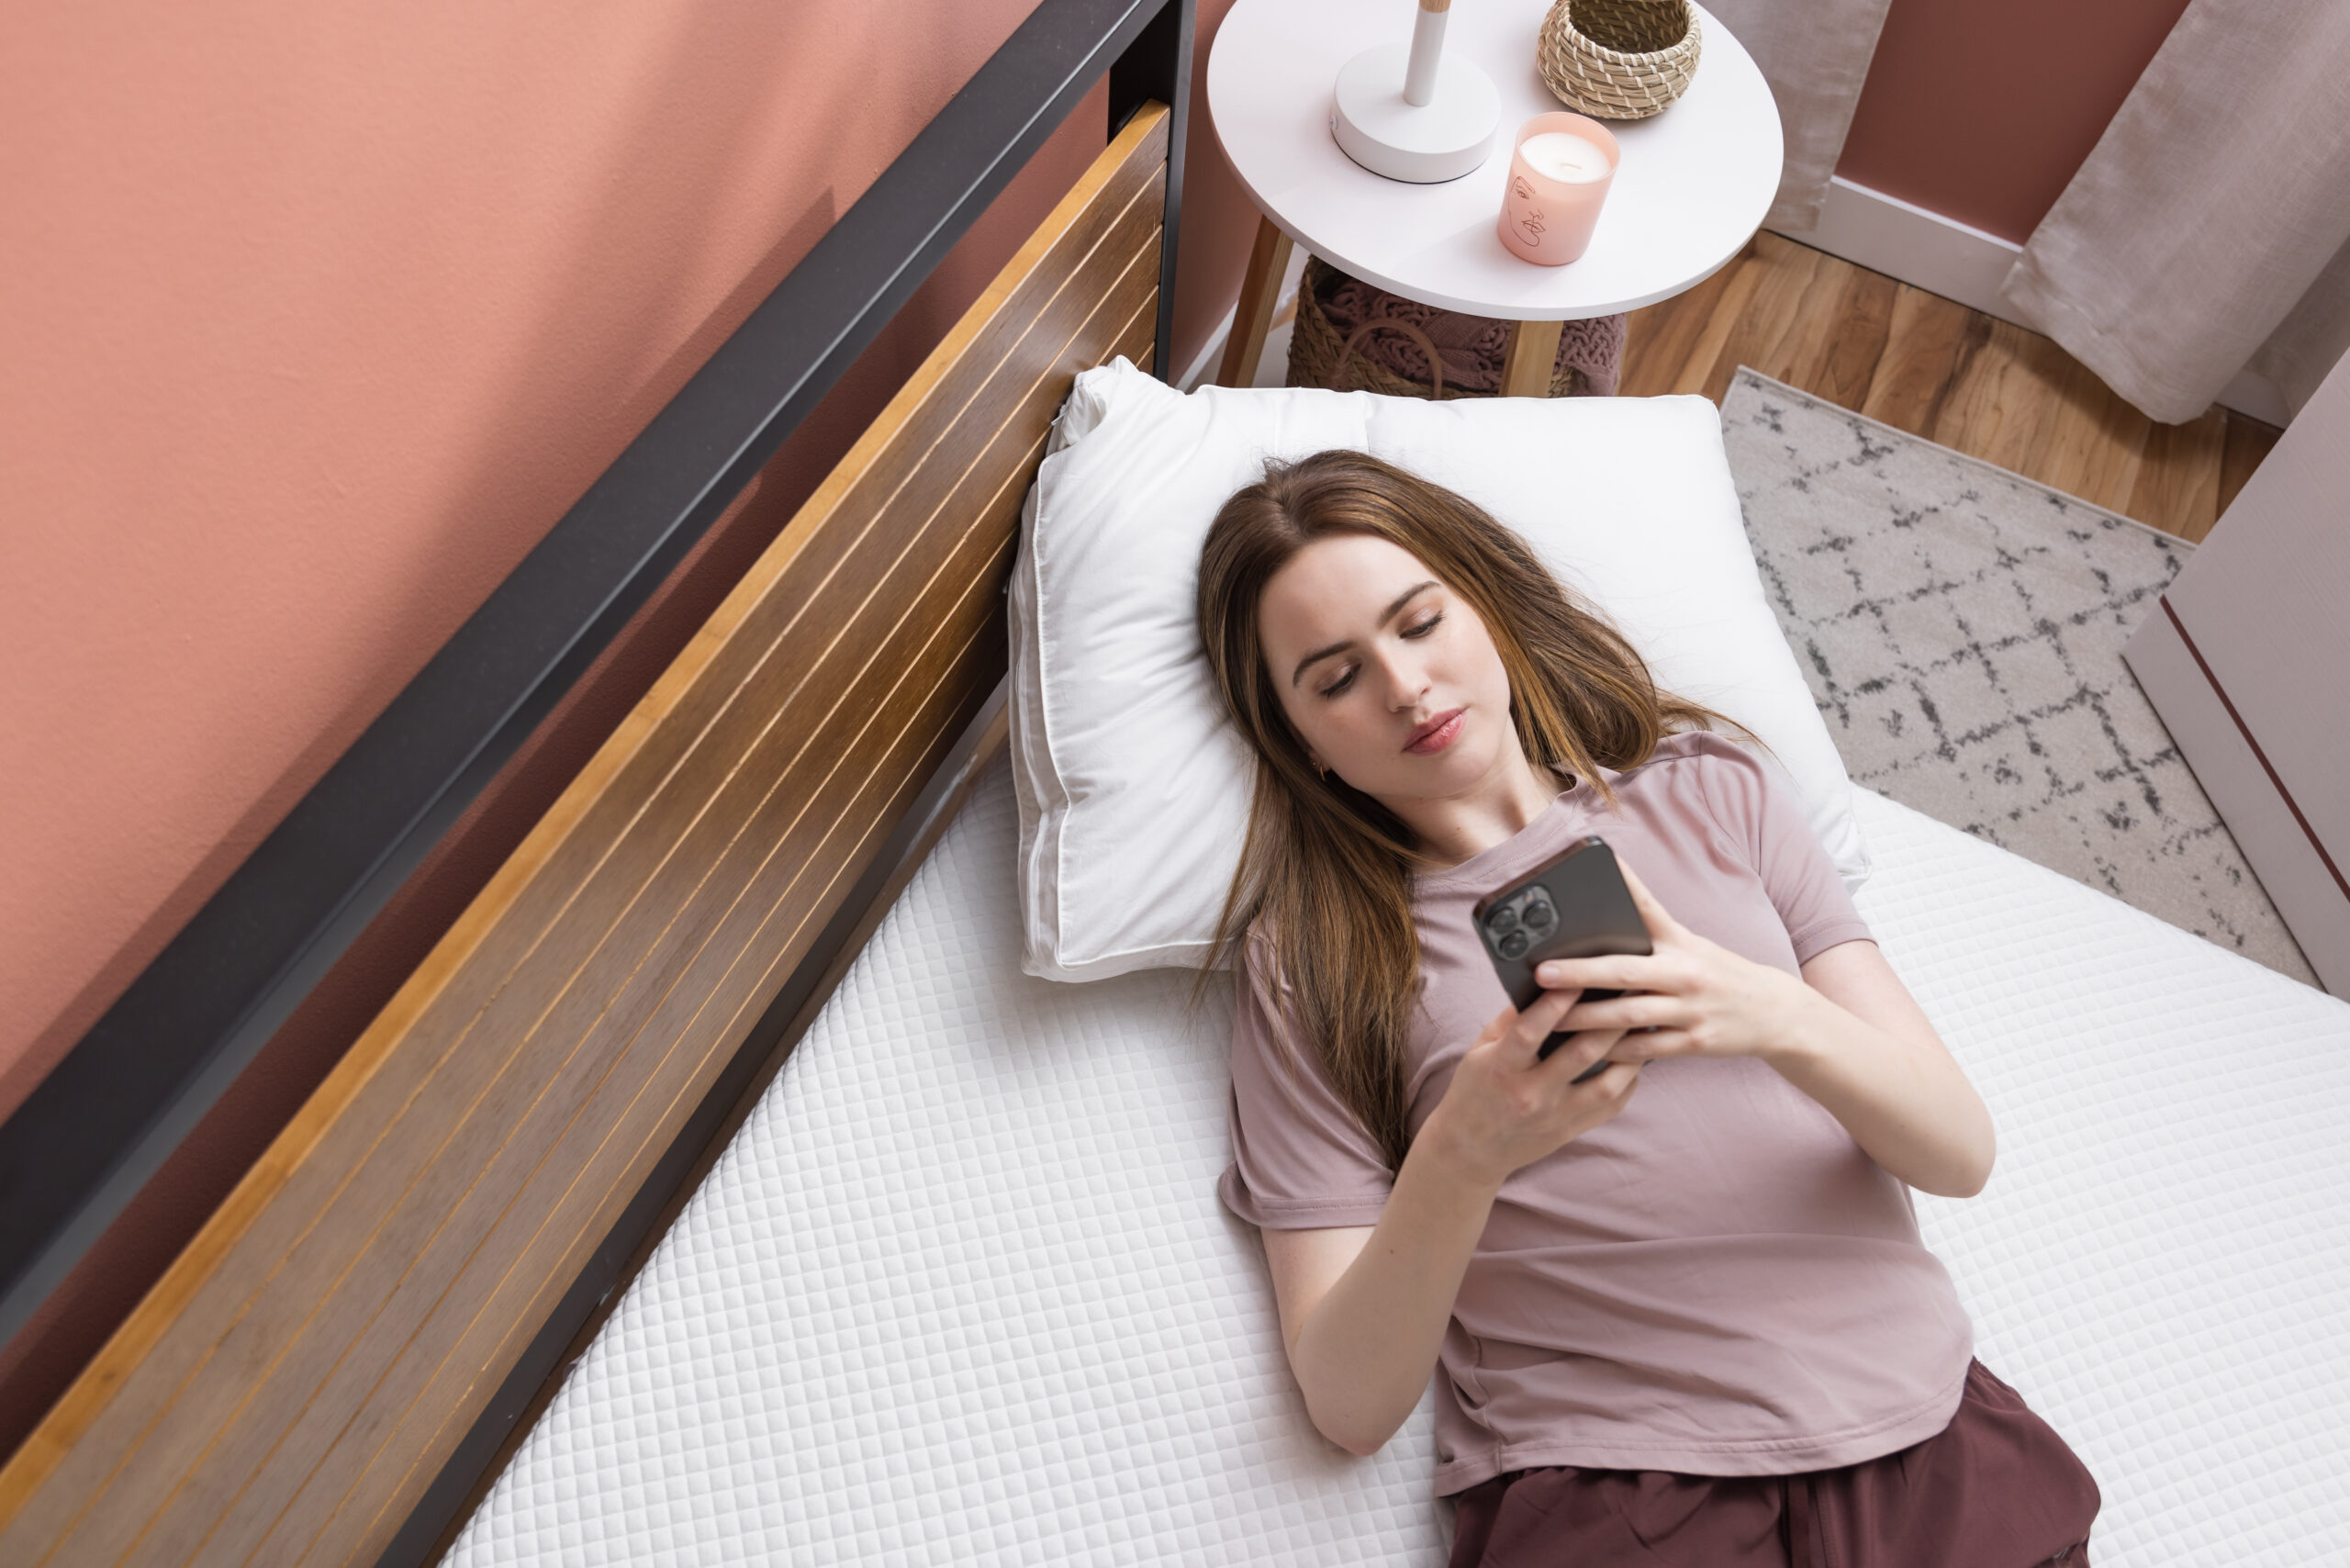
(299, 1378)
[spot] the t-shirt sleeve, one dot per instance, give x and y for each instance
(1300, 1160)
(1755, 802)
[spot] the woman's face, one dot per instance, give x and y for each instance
(1388, 675)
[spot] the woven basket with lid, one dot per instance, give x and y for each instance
(1618, 59)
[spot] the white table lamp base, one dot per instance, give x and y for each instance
(1426, 145)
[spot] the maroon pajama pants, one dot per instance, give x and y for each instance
(1997, 1488)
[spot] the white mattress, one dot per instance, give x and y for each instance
(961, 1292)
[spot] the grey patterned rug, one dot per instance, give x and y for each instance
(1962, 629)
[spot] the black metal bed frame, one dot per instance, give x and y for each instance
(104, 1121)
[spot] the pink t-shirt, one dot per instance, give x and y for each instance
(1718, 1282)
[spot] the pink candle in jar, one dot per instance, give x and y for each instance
(1559, 176)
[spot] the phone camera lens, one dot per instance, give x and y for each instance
(1502, 921)
(1515, 945)
(1540, 917)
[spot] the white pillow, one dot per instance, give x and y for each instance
(1134, 786)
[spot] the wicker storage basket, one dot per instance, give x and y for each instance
(1618, 59)
(1318, 356)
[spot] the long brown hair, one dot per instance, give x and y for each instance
(1324, 875)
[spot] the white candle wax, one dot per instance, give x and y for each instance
(1563, 156)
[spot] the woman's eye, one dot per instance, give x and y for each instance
(1422, 628)
(1346, 678)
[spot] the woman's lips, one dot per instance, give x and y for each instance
(1436, 734)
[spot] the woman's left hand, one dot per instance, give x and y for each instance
(1695, 997)
(1847, 1032)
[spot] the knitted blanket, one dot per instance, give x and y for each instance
(1472, 348)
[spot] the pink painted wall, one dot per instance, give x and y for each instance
(1982, 109)
(315, 324)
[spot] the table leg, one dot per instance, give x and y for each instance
(1253, 317)
(1533, 350)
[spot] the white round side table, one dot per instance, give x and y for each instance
(1691, 188)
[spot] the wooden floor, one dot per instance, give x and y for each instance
(1924, 364)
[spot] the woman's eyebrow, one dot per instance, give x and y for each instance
(1394, 610)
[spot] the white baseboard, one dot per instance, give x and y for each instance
(1923, 249)
(1962, 262)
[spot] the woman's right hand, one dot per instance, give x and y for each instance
(1364, 1311)
(1507, 1107)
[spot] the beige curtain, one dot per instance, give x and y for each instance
(2209, 230)
(1815, 54)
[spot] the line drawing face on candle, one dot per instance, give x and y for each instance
(1526, 216)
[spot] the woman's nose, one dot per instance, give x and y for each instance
(1406, 681)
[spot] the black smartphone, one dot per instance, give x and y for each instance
(1574, 905)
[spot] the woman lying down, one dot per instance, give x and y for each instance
(1682, 1308)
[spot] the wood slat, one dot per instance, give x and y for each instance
(2178, 475)
(289, 1388)
(2019, 403)
(1853, 339)
(1770, 333)
(1929, 341)
(1671, 347)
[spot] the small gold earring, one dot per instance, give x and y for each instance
(1320, 771)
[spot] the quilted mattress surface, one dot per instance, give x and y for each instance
(960, 1291)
